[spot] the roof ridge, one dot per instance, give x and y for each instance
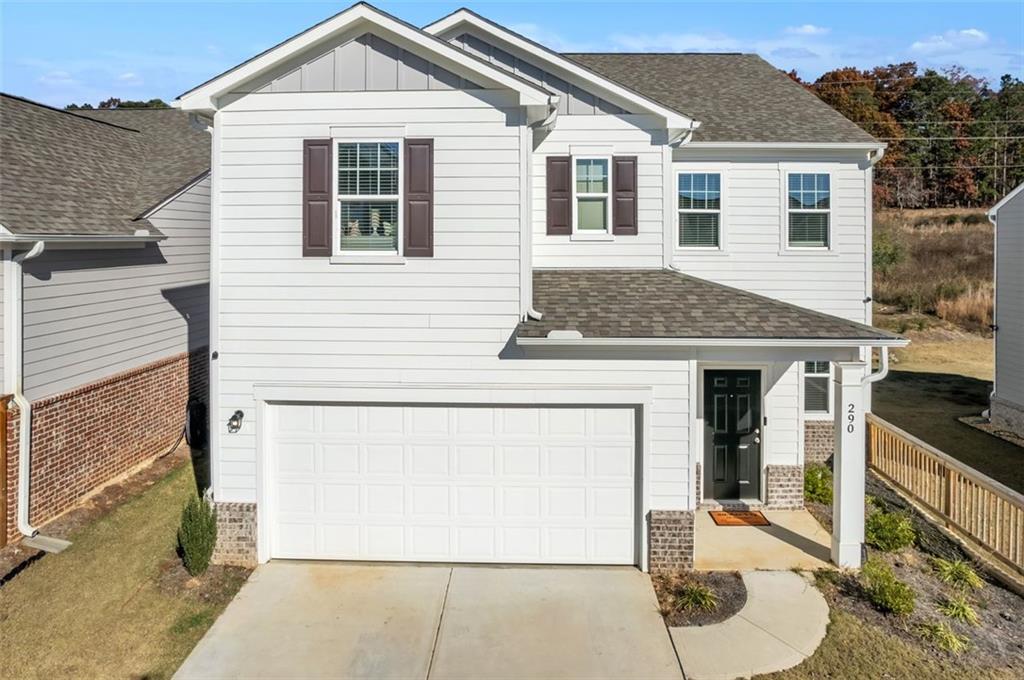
(65, 111)
(665, 54)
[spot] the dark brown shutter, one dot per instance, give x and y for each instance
(419, 198)
(559, 203)
(316, 198)
(624, 210)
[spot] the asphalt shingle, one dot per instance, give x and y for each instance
(662, 303)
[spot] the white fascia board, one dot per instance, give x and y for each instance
(709, 342)
(674, 120)
(162, 204)
(78, 239)
(1006, 199)
(852, 146)
(205, 96)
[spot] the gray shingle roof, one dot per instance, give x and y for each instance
(662, 303)
(92, 173)
(737, 97)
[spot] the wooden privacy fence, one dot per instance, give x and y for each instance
(972, 504)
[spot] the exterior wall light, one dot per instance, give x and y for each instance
(235, 422)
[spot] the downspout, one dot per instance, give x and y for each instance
(994, 219)
(24, 405)
(883, 370)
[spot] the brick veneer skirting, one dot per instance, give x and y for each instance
(785, 487)
(819, 440)
(88, 436)
(236, 534)
(1007, 416)
(670, 543)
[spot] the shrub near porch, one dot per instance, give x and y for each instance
(117, 603)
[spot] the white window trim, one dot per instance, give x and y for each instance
(815, 415)
(386, 256)
(592, 234)
(796, 169)
(677, 220)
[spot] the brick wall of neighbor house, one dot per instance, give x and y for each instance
(819, 440)
(785, 487)
(1008, 416)
(670, 544)
(90, 435)
(236, 534)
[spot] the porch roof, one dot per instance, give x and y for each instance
(663, 304)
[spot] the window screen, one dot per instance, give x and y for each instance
(700, 204)
(368, 196)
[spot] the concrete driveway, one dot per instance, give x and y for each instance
(334, 620)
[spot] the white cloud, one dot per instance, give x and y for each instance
(951, 41)
(57, 78)
(130, 78)
(676, 42)
(807, 29)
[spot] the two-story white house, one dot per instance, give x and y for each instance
(473, 300)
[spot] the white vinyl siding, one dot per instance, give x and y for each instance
(92, 313)
(447, 319)
(1009, 313)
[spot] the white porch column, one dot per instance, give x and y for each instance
(848, 464)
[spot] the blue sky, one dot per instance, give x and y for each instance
(59, 52)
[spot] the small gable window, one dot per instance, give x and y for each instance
(700, 209)
(368, 196)
(591, 180)
(816, 383)
(809, 204)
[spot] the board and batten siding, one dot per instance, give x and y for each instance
(1009, 313)
(92, 313)
(754, 228)
(286, 319)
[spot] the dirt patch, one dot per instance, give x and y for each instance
(216, 586)
(727, 586)
(15, 556)
(983, 424)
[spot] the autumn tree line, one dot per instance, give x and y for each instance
(954, 140)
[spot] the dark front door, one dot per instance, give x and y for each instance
(732, 435)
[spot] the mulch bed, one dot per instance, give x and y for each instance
(726, 585)
(217, 585)
(15, 556)
(997, 643)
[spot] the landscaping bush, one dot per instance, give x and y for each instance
(197, 534)
(943, 637)
(889, 531)
(957, 573)
(959, 608)
(688, 594)
(976, 218)
(884, 590)
(818, 484)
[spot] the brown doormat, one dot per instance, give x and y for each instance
(739, 518)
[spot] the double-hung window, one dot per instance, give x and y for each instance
(369, 189)
(816, 387)
(809, 204)
(591, 186)
(700, 209)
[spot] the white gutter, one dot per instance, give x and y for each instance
(875, 155)
(15, 337)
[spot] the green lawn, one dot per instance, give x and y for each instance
(98, 610)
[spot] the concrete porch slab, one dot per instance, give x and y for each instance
(794, 540)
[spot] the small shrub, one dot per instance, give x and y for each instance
(957, 573)
(889, 531)
(942, 636)
(197, 534)
(818, 484)
(688, 594)
(886, 254)
(951, 220)
(976, 218)
(959, 608)
(884, 590)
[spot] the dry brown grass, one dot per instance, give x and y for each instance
(936, 262)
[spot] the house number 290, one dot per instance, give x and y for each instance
(851, 416)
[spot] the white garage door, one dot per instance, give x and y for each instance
(460, 484)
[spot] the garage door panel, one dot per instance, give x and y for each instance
(486, 484)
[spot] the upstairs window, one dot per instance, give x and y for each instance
(816, 382)
(590, 200)
(809, 206)
(700, 209)
(368, 196)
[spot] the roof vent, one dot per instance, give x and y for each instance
(564, 335)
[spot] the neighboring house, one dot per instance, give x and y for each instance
(1006, 409)
(104, 225)
(474, 300)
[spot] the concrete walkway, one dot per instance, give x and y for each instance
(794, 540)
(344, 620)
(782, 623)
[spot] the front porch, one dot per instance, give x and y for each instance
(794, 540)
